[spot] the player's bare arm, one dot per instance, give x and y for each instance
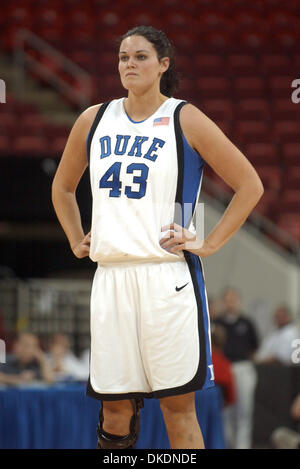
(233, 167)
(69, 172)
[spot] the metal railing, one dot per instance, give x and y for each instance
(26, 42)
(45, 307)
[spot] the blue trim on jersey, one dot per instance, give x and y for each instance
(192, 175)
(135, 122)
(193, 169)
(201, 285)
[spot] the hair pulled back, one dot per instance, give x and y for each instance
(170, 80)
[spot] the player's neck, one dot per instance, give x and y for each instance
(139, 107)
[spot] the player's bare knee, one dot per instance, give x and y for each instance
(176, 405)
(182, 402)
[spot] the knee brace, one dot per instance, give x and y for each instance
(109, 441)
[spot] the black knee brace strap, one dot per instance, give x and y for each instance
(108, 441)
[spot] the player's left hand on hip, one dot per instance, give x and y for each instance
(178, 239)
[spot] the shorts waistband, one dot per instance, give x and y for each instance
(128, 265)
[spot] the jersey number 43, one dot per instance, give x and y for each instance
(111, 180)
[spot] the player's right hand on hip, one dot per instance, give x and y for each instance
(82, 249)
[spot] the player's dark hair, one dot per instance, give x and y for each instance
(170, 80)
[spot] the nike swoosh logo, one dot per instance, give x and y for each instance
(180, 288)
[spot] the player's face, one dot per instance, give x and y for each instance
(231, 300)
(25, 347)
(139, 66)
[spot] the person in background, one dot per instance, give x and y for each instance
(27, 363)
(2, 330)
(214, 308)
(5, 335)
(295, 409)
(240, 346)
(287, 438)
(64, 364)
(277, 347)
(224, 377)
(85, 359)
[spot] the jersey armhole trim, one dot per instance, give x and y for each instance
(180, 155)
(97, 119)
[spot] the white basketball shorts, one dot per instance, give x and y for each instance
(150, 333)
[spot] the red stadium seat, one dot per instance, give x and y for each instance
(295, 59)
(290, 222)
(262, 153)
(268, 203)
(241, 64)
(292, 177)
(106, 61)
(217, 38)
(291, 153)
(211, 19)
(73, 30)
(48, 33)
(184, 65)
(274, 63)
(280, 86)
(142, 16)
(9, 37)
(284, 109)
(108, 87)
(290, 200)
(288, 38)
(184, 41)
(19, 15)
(80, 17)
(5, 144)
(271, 176)
(286, 131)
(52, 131)
(30, 145)
(251, 130)
(31, 125)
(108, 18)
(47, 15)
(208, 64)
(186, 89)
(7, 122)
(280, 18)
(179, 20)
(246, 19)
(252, 38)
(213, 87)
(249, 87)
(252, 109)
(293, 6)
(219, 109)
(25, 108)
(85, 59)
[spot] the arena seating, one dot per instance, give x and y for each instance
(237, 59)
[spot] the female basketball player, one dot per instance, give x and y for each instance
(149, 316)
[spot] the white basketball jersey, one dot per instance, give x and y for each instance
(136, 178)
